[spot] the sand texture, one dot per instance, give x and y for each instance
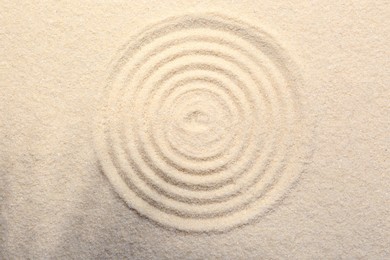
(194, 130)
(202, 128)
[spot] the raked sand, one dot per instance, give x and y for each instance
(194, 130)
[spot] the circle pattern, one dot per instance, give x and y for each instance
(201, 126)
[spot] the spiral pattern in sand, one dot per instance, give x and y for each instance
(201, 126)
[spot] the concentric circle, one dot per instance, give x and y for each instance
(201, 126)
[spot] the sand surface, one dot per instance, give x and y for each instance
(194, 130)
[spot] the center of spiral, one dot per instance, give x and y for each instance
(196, 120)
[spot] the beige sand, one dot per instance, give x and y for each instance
(202, 129)
(190, 130)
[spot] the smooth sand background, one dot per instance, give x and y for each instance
(55, 58)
